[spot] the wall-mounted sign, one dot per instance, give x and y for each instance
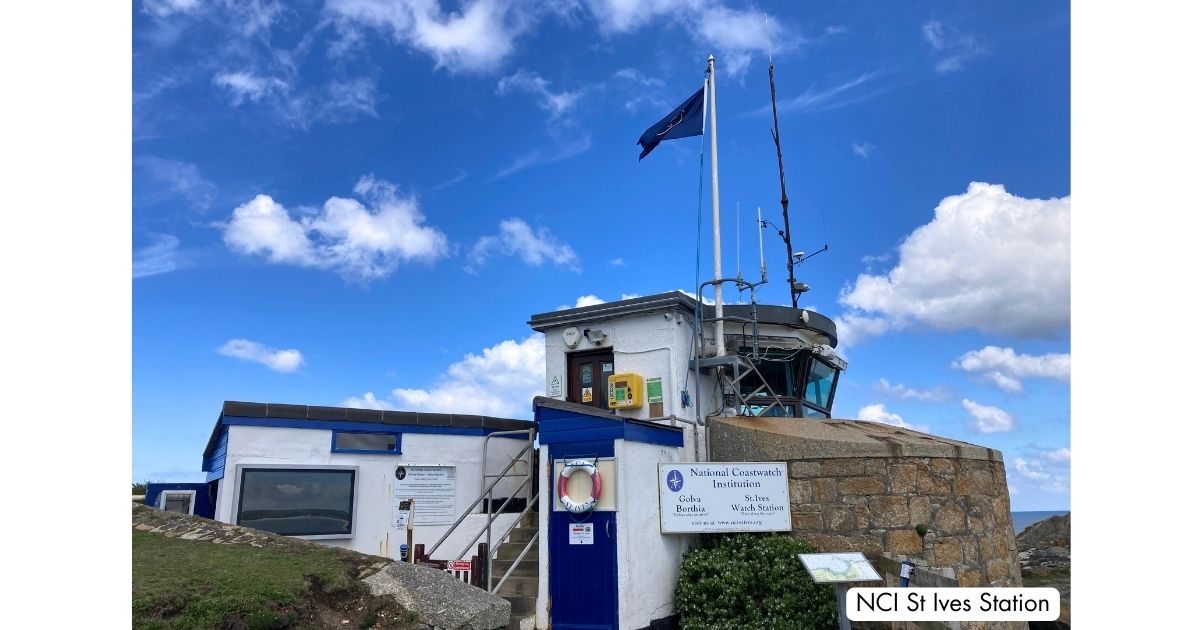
(723, 497)
(432, 488)
(555, 387)
(401, 512)
(580, 534)
(586, 395)
(460, 565)
(654, 396)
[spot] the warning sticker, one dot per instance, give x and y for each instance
(586, 395)
(580, 534)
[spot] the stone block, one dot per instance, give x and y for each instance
(950, 520)
(970, 578)
(807, 521)
(889, 511)
(800, 491)
(947, 552)
(803, 469)
(830, 543)
(841, 467)
(902, 478)
(862, 486)
(997, 569)
(970, 550)
(905, 541)
(825, 490)
(919, 511)
(876, 467)
(964, 486)
(929, 485)
(841, 519)
(943, 466)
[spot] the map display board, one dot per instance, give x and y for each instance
(827, 568)
(432, 489)
(714, 497)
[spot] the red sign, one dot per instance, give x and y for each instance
(460, 565)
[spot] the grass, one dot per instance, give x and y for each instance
(186, 584)
(1053, 577)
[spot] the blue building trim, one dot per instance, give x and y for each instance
(362, 427)
(360, 451)
(203, 505)
(559, 425)
(214, 462)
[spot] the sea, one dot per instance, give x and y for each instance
(1021, 520)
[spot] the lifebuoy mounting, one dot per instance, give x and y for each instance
(597, 486)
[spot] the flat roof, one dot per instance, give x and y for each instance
(769, 314)
(366, 416)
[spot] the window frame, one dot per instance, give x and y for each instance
(239, 474)
(809, 358)
(333, 447)
(161, 501)
(799, 368)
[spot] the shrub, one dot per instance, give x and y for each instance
(752, 582)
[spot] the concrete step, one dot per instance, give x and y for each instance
(528, 566)
(514, 622)
(522, 534)
(517, 585)
(522, 605)
(510, 551)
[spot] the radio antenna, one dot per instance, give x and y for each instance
(793, 289)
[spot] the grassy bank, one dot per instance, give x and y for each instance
(191, 584)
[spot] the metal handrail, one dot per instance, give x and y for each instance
(492, 519)
(487, 491)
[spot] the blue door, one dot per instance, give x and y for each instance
(583, 577)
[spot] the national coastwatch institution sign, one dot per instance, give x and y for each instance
(713, 497)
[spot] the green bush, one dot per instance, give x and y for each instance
(752, 582)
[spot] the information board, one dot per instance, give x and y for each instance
(723, 497)
(826, 568)
(432, 488)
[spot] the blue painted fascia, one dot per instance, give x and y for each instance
(558, 426)
(362, 427)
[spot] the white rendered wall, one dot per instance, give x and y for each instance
(373, 511)
(647, 561)
(542, 609)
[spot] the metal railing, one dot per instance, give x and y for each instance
(487, 496)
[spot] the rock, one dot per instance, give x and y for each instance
(439, 599)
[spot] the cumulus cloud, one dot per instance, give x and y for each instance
(284, 361)
(1004, 367)
(1058, 455)
(951, 48)
(476, 38)
(903, 392)
(1044, 471)
(161, 256)
(245, 85)
(500, 381)
(989, 260)
(533, 247)
(853, 329)
(593, 300)
(879, 413)
(360, 242)
(987, 419)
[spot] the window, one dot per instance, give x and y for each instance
(180, 501)
(804, 383)
(363, 442)
(298, 501)
(820, 380)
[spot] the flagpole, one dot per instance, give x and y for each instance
(719, 313)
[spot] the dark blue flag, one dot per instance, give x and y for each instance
(686, 120)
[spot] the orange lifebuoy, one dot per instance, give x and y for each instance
(597, 486)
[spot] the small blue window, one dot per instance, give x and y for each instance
(366, 442)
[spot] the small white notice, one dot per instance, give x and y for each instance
(556, 387)
(826, 568)
(714, 497)
(580, 534)
(433, 490)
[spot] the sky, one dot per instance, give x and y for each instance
(361, 203)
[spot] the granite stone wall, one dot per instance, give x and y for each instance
(873, 505)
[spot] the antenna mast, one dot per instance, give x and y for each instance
(783, 198)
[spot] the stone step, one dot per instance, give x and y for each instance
(514, 622)
(528, 566)
(522, 534)
(517, 585)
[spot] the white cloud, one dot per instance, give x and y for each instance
(359, 242)
(617, 262)
(541, 157)
(1045, 472)
(516, 238)
(903, 392)
(245, 85)
(588, 300)
(340, 100)
(284, 361)
(1004, 367)
(165, 178)
(856, 90)
(162, 256)
(475, 38)
(879, 413)
(951, 48)
(501, 381)
(1058, 455)
(167, 8)
(862, 149)
(987, 419)
(853, 329)
(558, 104)
(989, 260)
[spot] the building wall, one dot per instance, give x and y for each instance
(647, 560)
(373, 532)
(873, 504)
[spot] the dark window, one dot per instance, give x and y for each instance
(345, 441)
(819, 383)
(177, 502)
(803, 383)
(297, 502)
(587, 377)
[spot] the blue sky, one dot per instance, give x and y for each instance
(362, 202)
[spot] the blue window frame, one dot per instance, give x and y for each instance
(370, 442)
